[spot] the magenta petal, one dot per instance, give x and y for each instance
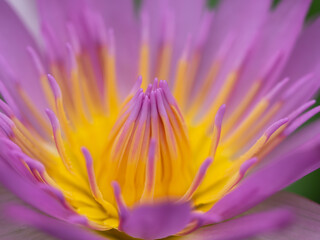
(305, 57)
(13, 231)
(268, 180)
(14, 40)
(306, 134)
(31, 193)
(272, 47)
(278, 34)
(185, 21)
(156, 221)
(306, 223)
(245, 227)
(303, 68)
(231, 37)
(120, 16)
(54, 227)
(54, 16)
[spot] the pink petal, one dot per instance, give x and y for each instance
(244, 227)
(268, 180)
(185, 21)
(156, 221)
(31, 193)
(234, 31)
(306, 134)
(14, 231)
(28, 12)
(120, 16)
(305, 59)
(61, 230)
(306, 223)
(275, 40)
(14, 40)
(54, 16)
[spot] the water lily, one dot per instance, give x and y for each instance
(166, 119)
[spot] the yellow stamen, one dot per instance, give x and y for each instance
(179, 89)
(165, 61)
(244, 104)
(221, 98)
(205, 89)
(248, 122)
(144, 64)
(257, 127)
(110, 87)
(47, 90)
(33, 110)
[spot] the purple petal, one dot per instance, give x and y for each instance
(14, 40)
(306, 134)
(121, 17)
(305, 59)
(236, 24)
(244, 227)
(31, 193)
(305, 56)
(54, 16)
(234, 32)
(306, 223)
(268, 180)
(14, 231)
(51, 226)
(185, 21)
(157, 220)
(274, 43)
(278, 34)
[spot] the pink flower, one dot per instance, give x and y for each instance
(164, 120)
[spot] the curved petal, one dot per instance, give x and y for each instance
(268, 180)
(305, 56)
(305, 134)
(279, 34)
(239, 25)
(306, 224)
(156, 221)
(51, 226)
(28, 12)
(305, 59)
(120, 16)
(14, 40)
(231, 37)
(13, 231)
(274, 42)
(174, 22)
(54, 17)
(31, 193)
(85, 14)
(244, 227)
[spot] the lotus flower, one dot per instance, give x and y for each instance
(166, 119)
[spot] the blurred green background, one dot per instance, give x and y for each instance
(309, 185)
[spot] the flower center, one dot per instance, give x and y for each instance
(145, 149)
(148, 116)
(142, 143)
